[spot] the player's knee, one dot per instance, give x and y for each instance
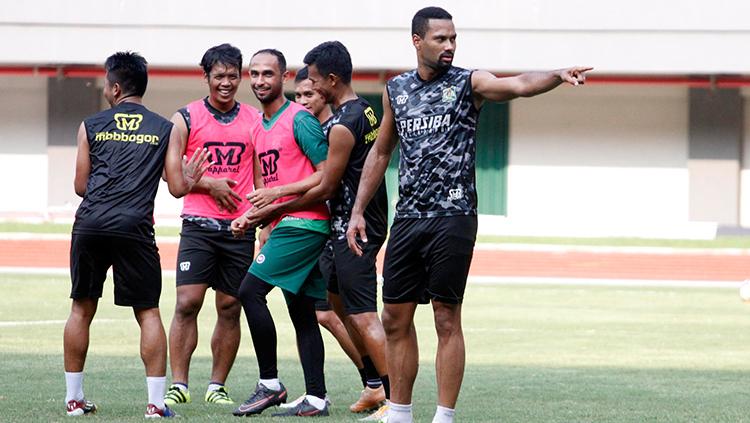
(187, 308)
(83, 309)
(251, 290)
(229, 309)
(447, 320)
(393, 325)
(325, 319)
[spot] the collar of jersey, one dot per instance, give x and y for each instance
(268, 124)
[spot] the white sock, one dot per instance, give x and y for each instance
(214, 386)
(399, 413)
(156, 388)
(73, 386)
(272, 384)
(443, 415)
(316, 402)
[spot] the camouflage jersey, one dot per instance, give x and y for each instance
(359, 118)
(436, 124)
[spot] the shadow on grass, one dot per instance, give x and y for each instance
(32, 388)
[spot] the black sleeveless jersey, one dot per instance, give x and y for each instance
(127, 147)
(436, 124)
(359, 118)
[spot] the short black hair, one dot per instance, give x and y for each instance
(226, 54)
(331, 57)
(301, 75)
(130, 70)
(420, 20)
(279, 57)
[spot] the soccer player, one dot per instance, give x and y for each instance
(305, 95)
(290, 145)
(433, 111)
(352, 130)
(208, 255)
(355, 115)
(121, 155)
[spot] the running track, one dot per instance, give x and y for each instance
(489, 260)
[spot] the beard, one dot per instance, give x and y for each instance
(439, 65)
(270, 97)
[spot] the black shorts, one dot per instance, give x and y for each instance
(352, 277)
(429, 259)
(328, 268)
(135, 265)
(325, 263)
(212, 257)
(323, 305)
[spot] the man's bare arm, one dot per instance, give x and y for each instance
(372, 174)
(487, 86)
(83, 162)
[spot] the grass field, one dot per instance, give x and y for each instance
(535, 354)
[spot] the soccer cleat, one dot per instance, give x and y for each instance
(79, 408)
(261, 399)
(299, 400)
(379, 416)
(293, 403)
(154, 412)
(218, 396)
(370, 399)
(176, 395)
(303, 409)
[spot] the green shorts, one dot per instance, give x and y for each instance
(289, 259)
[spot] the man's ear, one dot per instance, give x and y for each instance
(417, 41)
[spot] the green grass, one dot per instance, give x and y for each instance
(719, 242)
(535, 354)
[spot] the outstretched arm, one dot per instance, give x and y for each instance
(372, 175)
(487, 86)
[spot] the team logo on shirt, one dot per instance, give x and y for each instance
(455, 194)
(226, 156)
(424, 125)
(184, 266)
(449, 94)
(128, 121)
(260, 259)
(268, 165)
(402, 99)
(370, 115)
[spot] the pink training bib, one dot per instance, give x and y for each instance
(282, 161)
(231, 150)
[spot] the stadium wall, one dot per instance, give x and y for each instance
(603, 160)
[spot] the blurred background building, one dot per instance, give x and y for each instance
(655, 145)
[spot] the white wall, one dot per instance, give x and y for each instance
(637, 36)
(745, 166)
(599, 157)
(23, 144)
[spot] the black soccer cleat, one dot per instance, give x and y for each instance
(261, 399)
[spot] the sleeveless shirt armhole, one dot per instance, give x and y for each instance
(185, 113)
(471, 92)
(388, 93)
